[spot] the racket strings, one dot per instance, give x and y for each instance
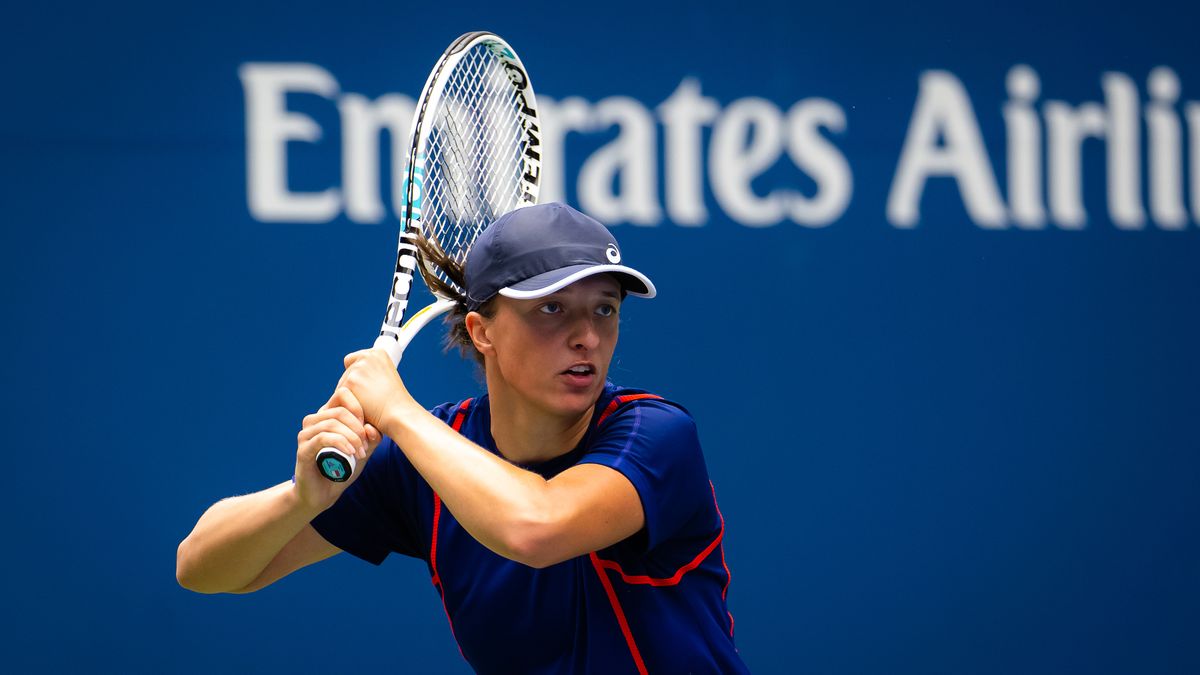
(474, 158)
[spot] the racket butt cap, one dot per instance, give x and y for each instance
(335, 465)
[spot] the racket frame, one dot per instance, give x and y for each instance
(395, 334)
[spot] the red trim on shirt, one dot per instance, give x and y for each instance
(728, 574)
(437, 580)
(437, 501)
(618, 401)
(437, 516)
(674, 579)
(616, 605)
(433, 539)
(461, 414)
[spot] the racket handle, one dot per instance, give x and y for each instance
(335, 465)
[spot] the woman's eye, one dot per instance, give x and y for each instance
(606, 310)
(551, 308)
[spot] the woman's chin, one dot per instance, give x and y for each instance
(573, 400)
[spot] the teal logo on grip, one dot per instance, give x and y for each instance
(333, 468)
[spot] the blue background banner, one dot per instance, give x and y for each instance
(927, 281)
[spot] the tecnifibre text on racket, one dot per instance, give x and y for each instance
(475, 155)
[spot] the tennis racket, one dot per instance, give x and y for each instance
(475, 155)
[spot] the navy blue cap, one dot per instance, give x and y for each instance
(536, 250)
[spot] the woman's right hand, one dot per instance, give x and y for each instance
(338, 424)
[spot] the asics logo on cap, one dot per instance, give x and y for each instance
(614, 256)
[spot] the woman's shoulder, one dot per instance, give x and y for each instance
(447, 411)
(621, 402)
(627, 412)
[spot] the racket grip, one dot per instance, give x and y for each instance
(335, 465)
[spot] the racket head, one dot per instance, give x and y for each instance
(475, 154)
(476, 147)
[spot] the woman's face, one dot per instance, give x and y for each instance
(554, 352)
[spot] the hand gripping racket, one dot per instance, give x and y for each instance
(475, 155)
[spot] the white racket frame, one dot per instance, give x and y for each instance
(395, 334)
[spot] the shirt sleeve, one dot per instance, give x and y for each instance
(377, 514)
(656, 446)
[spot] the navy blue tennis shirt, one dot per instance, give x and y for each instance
(655, 602)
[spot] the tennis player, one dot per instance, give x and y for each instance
(569, 524)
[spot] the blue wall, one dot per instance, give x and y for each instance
(960, 439)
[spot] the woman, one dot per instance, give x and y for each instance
(568, 524)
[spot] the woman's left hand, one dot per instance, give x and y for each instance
(372, 377)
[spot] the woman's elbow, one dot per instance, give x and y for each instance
(536, 542)
(185, 570)
(190, 574)
(532, 553)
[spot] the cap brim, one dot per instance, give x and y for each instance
(633, 281)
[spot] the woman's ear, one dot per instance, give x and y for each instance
(477, 327)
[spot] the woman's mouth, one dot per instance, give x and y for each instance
(580, 374)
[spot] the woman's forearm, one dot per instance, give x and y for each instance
(501, 505)
(237, 538)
